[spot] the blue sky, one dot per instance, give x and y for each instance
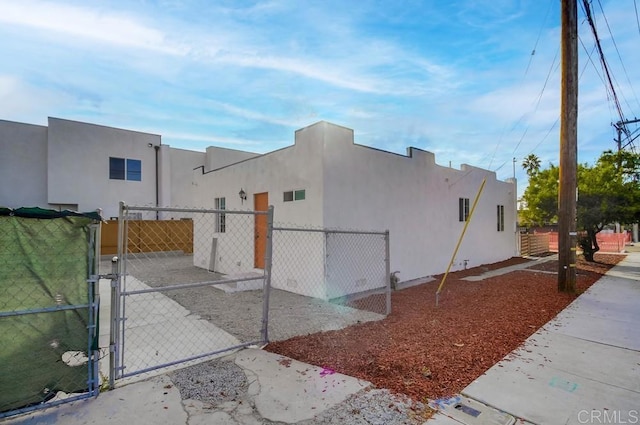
(456, 78)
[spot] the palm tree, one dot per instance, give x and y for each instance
(531, 164)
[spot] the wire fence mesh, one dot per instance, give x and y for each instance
(47, 312)
(189, 284)
(194, 293)
(326, 279)
(178, 276)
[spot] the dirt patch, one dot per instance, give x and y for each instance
(428, 352)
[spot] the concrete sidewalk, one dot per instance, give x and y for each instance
(581, 367)
(281, 390)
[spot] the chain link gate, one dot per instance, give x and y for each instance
(324, 279)
(48, 308)
(178, 273)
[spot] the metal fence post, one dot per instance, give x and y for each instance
(387, 264)
(114, 323)
(117, 348)
(94, 302)
(325, 262)
(267, 276)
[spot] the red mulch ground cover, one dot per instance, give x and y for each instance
(428, 352)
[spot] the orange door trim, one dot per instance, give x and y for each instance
(260, 203)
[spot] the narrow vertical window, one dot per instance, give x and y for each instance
(221, 219)
(500, 218)
(134, 170)
(116, 168)
(463, 209)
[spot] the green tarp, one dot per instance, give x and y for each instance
(44, 264)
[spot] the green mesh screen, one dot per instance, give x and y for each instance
(43, 264)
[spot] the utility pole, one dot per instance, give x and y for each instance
(567, 192)
(620, 127)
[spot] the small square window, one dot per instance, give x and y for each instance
(288, 196)
(299, 195)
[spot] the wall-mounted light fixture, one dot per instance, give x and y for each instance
(243, 195)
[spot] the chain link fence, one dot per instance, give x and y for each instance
(175, 301)
(48, 309)
(327, 279)
(235, 281)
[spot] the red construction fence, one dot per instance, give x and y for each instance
(608, 242)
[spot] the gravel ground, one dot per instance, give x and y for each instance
(373, 407)
(240, 313)
(222, 385)
(212, 382)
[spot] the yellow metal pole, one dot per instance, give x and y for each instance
(464, 229)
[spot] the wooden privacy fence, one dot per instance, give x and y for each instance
(149, 236)
(534, 244)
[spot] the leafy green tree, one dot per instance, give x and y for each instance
(541, 197)
(608, 192)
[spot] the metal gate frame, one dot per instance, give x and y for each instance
(92, 307)
(119, 293)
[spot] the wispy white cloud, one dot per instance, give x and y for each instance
(361, 71)
(20, 99)
(211, 140)
(250, 114)
(490, 13)
(87, 23)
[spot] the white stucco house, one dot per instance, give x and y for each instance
(82, 166)
(326, 180)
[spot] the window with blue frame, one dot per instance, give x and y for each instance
(125, 169)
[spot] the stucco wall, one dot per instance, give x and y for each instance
(23, 165)
(417, 201)
(274, 173)
(217, 157)
(78, 171)
(349, 186)
(180, 187)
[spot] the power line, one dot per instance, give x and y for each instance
(615, 45)
(587, 10)
(555, 124)
(544, 86)
(635, 6)
(590, 60)
(533, 52)
(535, 46)
(597, 71)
